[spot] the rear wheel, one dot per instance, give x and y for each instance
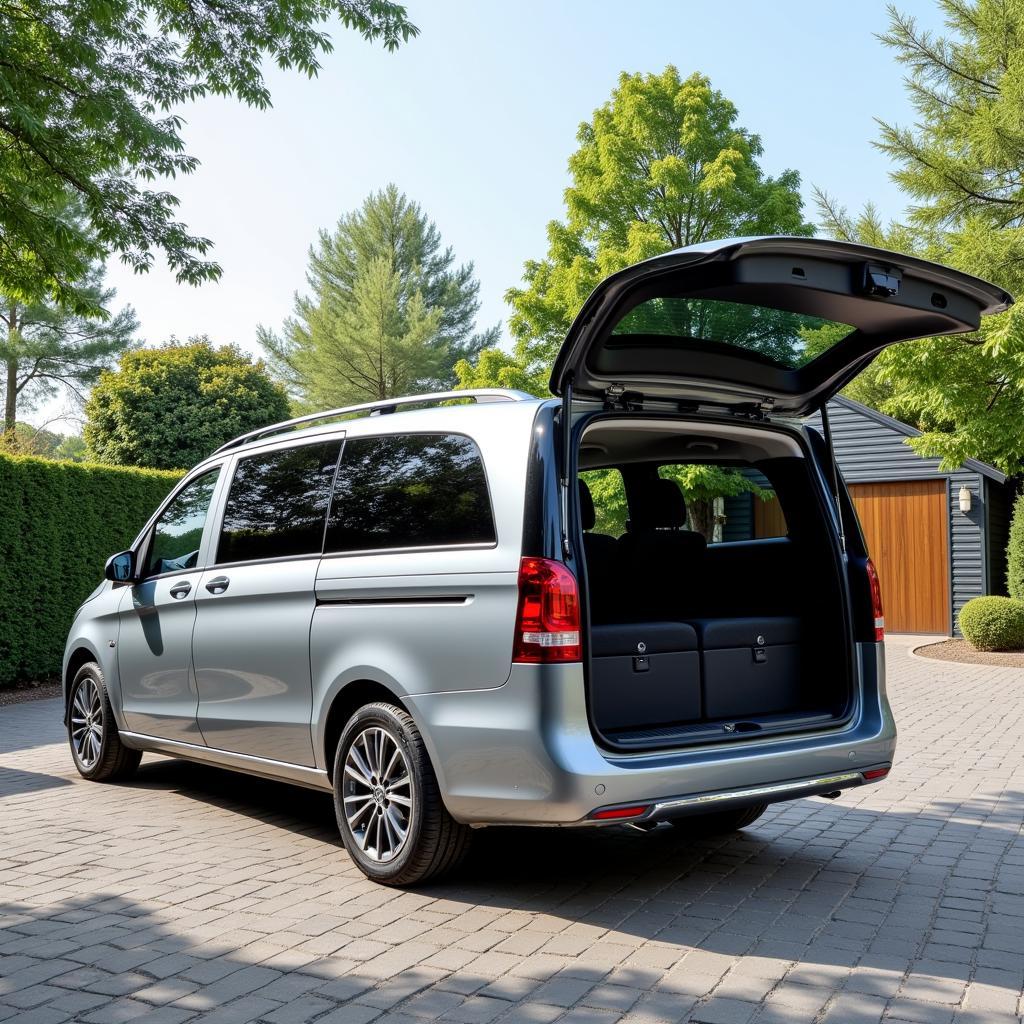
(721, 822)
(96, 747)
(388, 803)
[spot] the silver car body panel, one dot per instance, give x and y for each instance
(250, 649)
(526, 753)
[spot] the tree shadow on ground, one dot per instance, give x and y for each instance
(813, 882)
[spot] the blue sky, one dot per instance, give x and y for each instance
(476, 118)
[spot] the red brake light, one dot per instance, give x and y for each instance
(876, 601)
(875, 773)
(611, 813)
(548, 620)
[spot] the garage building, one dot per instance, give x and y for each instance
(932, 556)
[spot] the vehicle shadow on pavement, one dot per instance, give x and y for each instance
(814, 883)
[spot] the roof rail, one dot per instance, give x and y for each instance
(379, 408)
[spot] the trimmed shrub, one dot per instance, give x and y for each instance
(993, 623)
(1015, 552)
(59, 522)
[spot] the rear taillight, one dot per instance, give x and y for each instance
(876, 601)
(548, 620)
(874, 774)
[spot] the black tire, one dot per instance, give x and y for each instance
(434, 841)
(721, 823)
(105, 759)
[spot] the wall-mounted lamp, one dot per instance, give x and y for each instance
(965, 500)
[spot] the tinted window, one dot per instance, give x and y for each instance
(609, 496)
(411, 490)
(277, 504)
(179, 529)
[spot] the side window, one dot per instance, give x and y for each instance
(769, 519)
(179, 529)
(408, 491)
(609, 494)
(277, 504)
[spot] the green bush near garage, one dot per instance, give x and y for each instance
(993, 623)
(59, 522)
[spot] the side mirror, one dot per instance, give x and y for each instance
(120, 567)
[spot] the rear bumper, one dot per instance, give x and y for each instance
(523, 753)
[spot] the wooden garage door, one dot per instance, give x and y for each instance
(906, 528)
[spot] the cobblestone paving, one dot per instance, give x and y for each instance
(192, 894)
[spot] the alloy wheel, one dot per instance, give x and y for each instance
(377, 794)
(87, 722)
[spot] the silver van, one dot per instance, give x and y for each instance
(418, 605)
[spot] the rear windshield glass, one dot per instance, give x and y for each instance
(777, 336)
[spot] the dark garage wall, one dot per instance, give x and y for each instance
(872, 448)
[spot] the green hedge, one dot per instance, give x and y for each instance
(59, 522)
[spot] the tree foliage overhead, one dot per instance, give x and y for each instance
(88, 91)
(961, 165)
(661, 165)
(170, 407)
(388, 311)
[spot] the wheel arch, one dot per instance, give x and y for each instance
(81, 654)
(345, 702)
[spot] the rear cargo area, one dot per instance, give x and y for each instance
(702, 629)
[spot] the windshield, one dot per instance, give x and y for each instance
(785, 339)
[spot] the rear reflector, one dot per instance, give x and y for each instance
(875, 773)
(611, 813)
(548, 618)
(876, 601)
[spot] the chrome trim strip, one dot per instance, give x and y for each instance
(756, 791)
(250, 764)
(356, 602)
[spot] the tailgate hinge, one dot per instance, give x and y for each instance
(617, 397)
(759, 410)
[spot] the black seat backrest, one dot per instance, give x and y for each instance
(601, 553)
(666, 560)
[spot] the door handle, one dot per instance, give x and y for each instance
(180, 590)
(218, 585)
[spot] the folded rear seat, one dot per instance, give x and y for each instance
(751, 666)
(644, 673)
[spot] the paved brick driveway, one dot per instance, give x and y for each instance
(193, 894)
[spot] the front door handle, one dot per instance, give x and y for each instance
(218, 584)
(180, 590)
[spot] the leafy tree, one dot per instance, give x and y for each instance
(30, 440)
(662, 164)
(960, 164)
(86, 93)
(46, 347)
(388, 312)
(170, 407)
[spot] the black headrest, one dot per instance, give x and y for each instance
(660, 506)
(588, 517)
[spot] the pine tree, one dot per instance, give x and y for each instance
(388, 310)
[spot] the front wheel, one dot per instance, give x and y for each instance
(96, 747)
(387, 801)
